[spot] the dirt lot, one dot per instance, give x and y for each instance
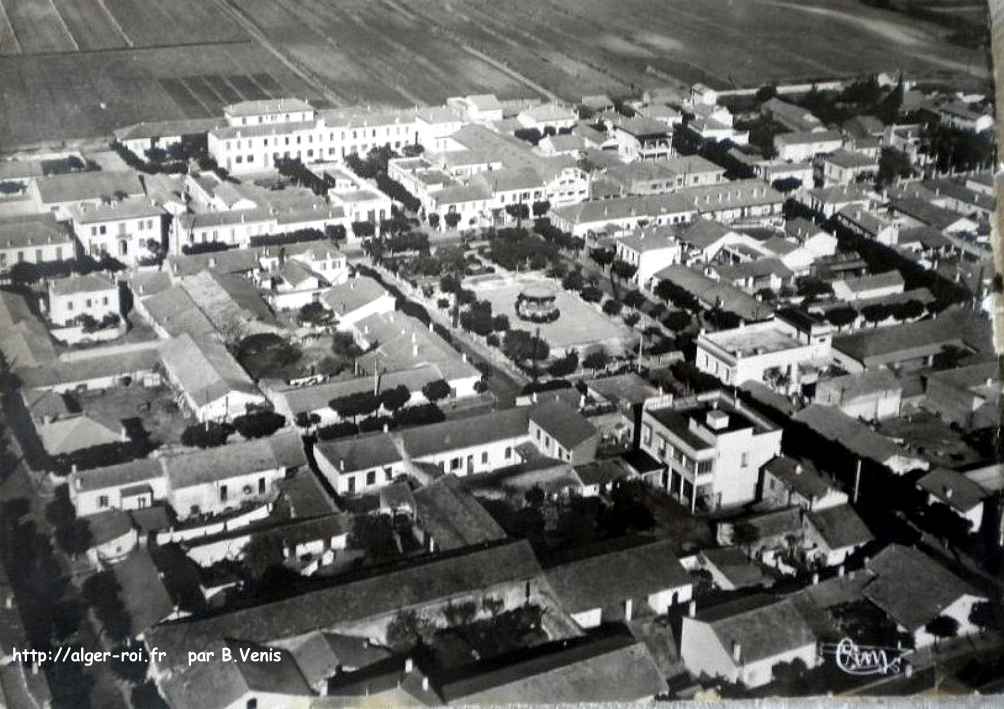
(152, 411)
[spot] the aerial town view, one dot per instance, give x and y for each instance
(483, 352)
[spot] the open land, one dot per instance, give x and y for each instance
(73, 69)
(578, 326)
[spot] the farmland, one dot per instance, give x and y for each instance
(404, 51)
(80, 68)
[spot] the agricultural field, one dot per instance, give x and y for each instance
(89, 94)
(406, 51)
(42, 26)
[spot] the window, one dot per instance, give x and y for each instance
(252, 703)
(261, 486)
(38, 255)
(646, 434)
(508, 453)
(103, 501)
(352, 484)
(744, 459)
(704, 466)
(371, 477)
(87, 303)
(547, 441)
(69, 305)
(455, 464)
(388, 473)
(223, 493)
(102, 229)
(20, 256)
(104, 300)
(484, 458)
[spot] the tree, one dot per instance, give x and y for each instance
(875, 313)
(893, 164)
(259, 424)
(492, 605)
(677, 320)
(745, 535)
(591, 294)
(573, 281)
(840, 317)
(262, 553)
(409, 629)
(436, 390)
(374, 534)
(623, 270)
(452, 219)
(612, 307)
(563, 367)
(433, 220)
(603, 257)
(315, 314)
(596, 360)
(520, 345)
(394, 399)
(354, 405)
(541, 208)
(983, 617)
(344, 345)
(765, 93)
(206, 435)
(460, 614)
(942, 627)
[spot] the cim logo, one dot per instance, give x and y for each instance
(857, 659)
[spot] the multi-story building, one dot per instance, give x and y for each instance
(650, 250)
(94, 295)
(842, 167)
(652, 177)
(712, 448)
(34, 238)
(804, 146)
(128, 229)
(642, 139)
(785, 351)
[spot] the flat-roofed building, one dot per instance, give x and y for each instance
(712, 448)
(785, 351)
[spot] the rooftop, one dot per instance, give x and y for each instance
(953, 488)
(205, 370)
(763, 627)
(753, 339)
(800, 476)
(81, 186)
(453, 517)
(32, 230)
(90, 283)
(566, 425)
(840, 526)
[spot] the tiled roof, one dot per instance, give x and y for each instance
(762, 627)
(80, 186)
(372, 450)
(205, 370)
(566, 425)
(90, 283)
(840, 526)
(953, 488)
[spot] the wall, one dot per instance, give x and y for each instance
(97, 304)
(86, 502)
(662, 601)
(76, 334)
(702, 653)
(207, 496)
(493, 452)
(236, 522)
(959, 610)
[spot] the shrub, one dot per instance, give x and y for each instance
(591, 294)
(206, 435)
(436, 390)
(338, 430)
(612, 307)
(419, 415)
(259, 424)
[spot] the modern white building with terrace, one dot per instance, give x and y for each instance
(786, 351)
(712, 448)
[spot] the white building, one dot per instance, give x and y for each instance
(804, 146)
(94, 295)
(650, 249)
(356, 299)
(211, 384)
(712, 447)
(128, 229)
(742, 640)
(35, 238)
(784, 351)
(842, 167)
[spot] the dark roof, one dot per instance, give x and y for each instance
(566, 425)
(320, 655)
(360, 452)
(108, 525)
(146, 600)
(911, 587)
(614, 668)
(453, 517)
(895, 339)
(840, 526)
(240, 458)
(834, 424)
(222, 684)
(465, 433)
(629, 387)
(605, 580)
(735, 566)
(799, 475)
(134, 471)
(776, 522)
(762, 626)
(601, 472)
(408, 587)
(953, 488)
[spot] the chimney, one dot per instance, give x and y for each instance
(341, 464)
(9, 603)
(386, 428)
(717, 420)
(425, 683)
(533, 397)
(948, 492)
(692, 609)
(212, 262)
(409, 665)
(815, 578)
(798, 469)
(840, 571)
(73, 468)
(414, 350)
(737, 652)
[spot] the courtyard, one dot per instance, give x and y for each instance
(579, 325)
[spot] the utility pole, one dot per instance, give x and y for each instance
(857, 482)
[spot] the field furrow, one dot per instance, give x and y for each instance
(8, 40)
(91, 26)
(38, 26)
